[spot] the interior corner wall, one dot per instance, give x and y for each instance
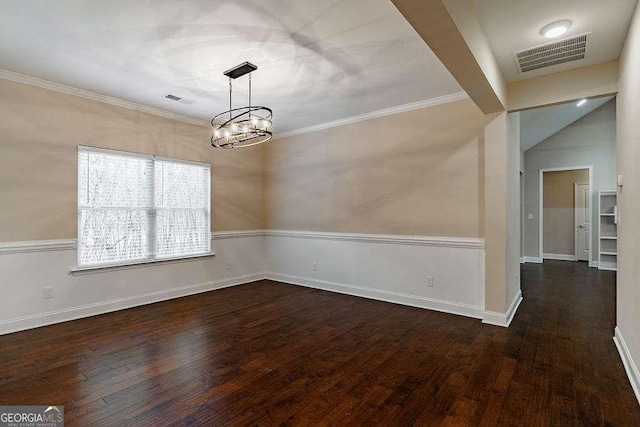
(589, 141)
(40, 131)
(375, 207)
(628, 126)
(370, 208)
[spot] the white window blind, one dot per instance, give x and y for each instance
(135, 208)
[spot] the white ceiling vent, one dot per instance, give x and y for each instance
(546, 55)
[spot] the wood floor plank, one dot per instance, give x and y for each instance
(273, 354)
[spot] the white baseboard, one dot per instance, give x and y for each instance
(522, 261)
(533, 259)
(381, 295)
(629, 365)
(560, 257)
(503, 319)
(389, 268)
(52, 317)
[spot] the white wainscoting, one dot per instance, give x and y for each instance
(384, 267)
(627, 360)
(27, 267)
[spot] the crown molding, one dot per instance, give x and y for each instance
(376, 114)
(57, 87)
(69, 90)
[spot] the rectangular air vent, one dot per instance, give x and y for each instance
(546, 55)
(179, 99)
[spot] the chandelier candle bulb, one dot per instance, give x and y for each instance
(243, 126)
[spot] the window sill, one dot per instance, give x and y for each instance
(77, 271)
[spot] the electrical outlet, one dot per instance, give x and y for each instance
(314, 266)
(530, 216)
(228, 265)
(430, 281)
(48, 292)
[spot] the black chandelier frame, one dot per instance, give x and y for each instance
(245, 126)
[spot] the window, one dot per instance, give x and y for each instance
(134, 208)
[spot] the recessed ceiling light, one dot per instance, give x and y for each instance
(581, 102)
(555, 29)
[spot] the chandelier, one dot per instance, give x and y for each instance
(244, 126)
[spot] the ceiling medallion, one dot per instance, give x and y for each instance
(244, 126)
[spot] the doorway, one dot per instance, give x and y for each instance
(565, 213)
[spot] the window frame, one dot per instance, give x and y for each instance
(152, 259)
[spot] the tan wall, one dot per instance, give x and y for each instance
(417, 172)
(628, 127)
(585, 82)
(558, 209)
(496, 156)
(502, 212)
(41, 129)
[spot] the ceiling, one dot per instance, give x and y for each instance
(514, 25)
(538, 124)
(318, 61)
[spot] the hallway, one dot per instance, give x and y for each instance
(568, 365)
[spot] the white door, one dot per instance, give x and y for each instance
(581, 209)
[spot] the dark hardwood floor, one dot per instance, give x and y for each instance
(268, 353)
